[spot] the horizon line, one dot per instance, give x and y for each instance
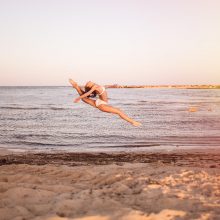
(114, 85)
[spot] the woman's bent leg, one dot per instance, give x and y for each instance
(110, 109)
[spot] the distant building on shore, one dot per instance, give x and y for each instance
(166, 86)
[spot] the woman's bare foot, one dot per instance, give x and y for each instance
(136, 124)
(73, 83)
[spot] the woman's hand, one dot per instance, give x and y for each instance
(77, 100)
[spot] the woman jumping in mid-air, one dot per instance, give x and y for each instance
(91, 90)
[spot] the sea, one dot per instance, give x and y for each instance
(47, 119)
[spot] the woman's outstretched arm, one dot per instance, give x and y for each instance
(86, 94)
(81, 92)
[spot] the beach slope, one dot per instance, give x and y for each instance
(104, 186)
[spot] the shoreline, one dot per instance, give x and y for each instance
(179, 157)
(111, 149)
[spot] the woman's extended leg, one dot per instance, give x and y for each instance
(110, 109)
(80, 91)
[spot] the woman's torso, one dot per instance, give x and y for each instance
(101, 92)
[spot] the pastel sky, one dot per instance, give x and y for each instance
(45, 42)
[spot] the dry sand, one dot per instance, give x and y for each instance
(126, 186)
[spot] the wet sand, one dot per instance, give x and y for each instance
(104, 186)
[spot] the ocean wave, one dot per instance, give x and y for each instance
(32, 108)
(128, 145)
(35, 143)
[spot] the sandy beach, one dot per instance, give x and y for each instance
(109, 110)
(104, 186)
